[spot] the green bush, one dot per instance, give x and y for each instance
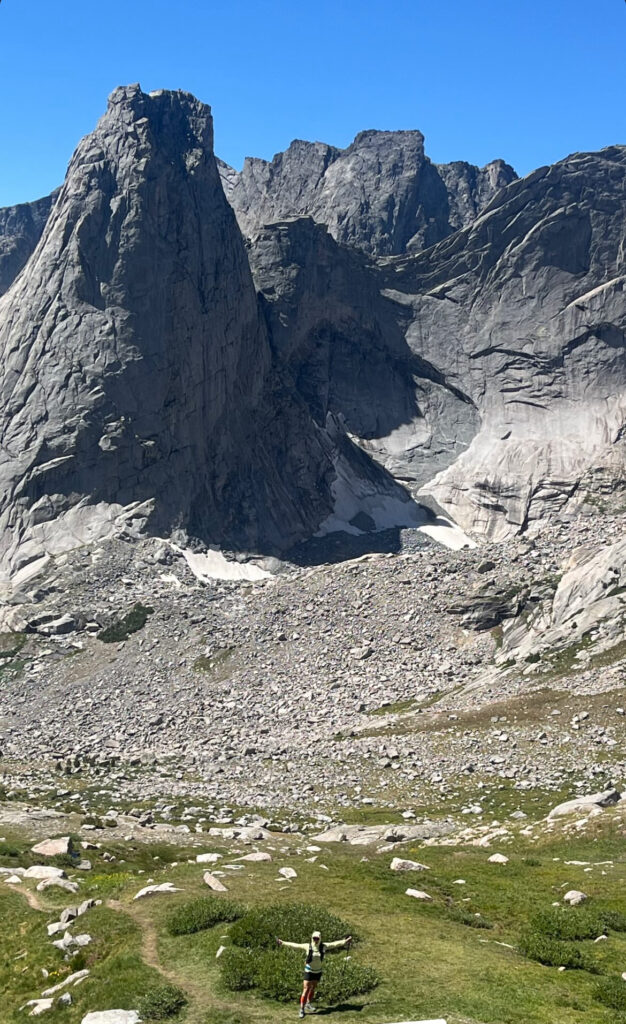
(466, 917)
(576, 924)
(614, 920)
(611, 992)
(196, 915)
(293, 922)
(555, 953)
(254, 961)
(121, 629)
(8, 850)
(238, 967)
(277, 974)
(162, 1002)
(345, 979)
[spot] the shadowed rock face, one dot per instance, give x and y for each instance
(491, 369)
(345, 344)
(135, 367)
(381, 195)
(20, 230)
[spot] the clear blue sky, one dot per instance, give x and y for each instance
(526, 80)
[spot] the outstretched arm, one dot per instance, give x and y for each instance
(339, 942)
(292, 945)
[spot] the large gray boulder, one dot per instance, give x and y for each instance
(593, 802)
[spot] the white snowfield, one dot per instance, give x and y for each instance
(386, 511)
(212, 565)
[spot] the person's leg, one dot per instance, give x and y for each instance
(311, 992)
(304, 998)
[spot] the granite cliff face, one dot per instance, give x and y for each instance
(21, 228)
(490, 370)
(525, 311)
(381, 195)
(329, 373)
(345, 343)
(137, 379)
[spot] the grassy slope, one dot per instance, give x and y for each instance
(430, 965)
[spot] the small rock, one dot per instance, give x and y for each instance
(498, 858)
(213, 882)
(398, 864)
(150, 890)
(287, 872)
(43, 871)
(112, 1017)
(418, 894)
(39, 1006)
(574, 897)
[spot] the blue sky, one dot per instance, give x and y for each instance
(527, 81)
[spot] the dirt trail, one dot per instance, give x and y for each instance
(150, 949)
(30, 897)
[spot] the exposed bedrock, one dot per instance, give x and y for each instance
(136, 372)
(381, 194)
(525, 311)
(21, 228)
(346, 348)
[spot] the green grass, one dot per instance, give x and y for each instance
(118, 976)
(398, 708)
(11, 664)
(200, 914)
(120, 629)
(214, 664)
(431, 958)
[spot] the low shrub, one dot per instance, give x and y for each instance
(576, 924)
(161, 1003)
(254, 961)
(293, 922)
(555, 953)
(345, 979)
(7, 850)
(466, 917)
(611, 992)
(277, 974)
(196, 915)
(238, 967)
(122, 628)
(614, 920)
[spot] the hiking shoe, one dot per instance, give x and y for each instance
(301, 1014)
(311, 1008)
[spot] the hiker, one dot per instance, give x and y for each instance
(315, 952)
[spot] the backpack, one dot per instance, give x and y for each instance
(309, 955)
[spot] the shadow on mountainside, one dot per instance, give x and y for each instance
(341, 546)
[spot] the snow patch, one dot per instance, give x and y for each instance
(353, 499)
(212, 565)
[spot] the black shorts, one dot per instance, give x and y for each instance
(312, 976)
